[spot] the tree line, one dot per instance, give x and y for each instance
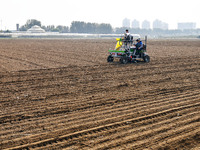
(75, 27)
(103, 28)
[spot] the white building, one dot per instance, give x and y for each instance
(126, 23)
(145, 24)
(135, 24)
(36, 29)
(164, 26)
(157, 24)
(186, 25)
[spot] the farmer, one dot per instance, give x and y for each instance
(128, 37)
(139, 46)
(127, 34)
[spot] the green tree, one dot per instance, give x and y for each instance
(29, 24)
(23, 28)
(82, 27)
(104, 28)
(91, 27)
(62, 29)
(50, 28)
(78, 27)
(32, 22)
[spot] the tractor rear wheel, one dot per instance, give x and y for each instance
(124, 60)
(146, 58)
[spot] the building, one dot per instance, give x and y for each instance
(135, 24)
(145, 24)
(186, 25)
(36, 29)
(164, 26)
(157, 24)
(126, 23)
(17, 27)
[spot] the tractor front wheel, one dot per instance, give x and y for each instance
(110, 58)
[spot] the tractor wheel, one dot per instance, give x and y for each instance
(124, 60)
(110, 58)
(146, 58)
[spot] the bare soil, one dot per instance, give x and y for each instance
(62, 94)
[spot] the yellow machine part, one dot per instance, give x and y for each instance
(119, 44)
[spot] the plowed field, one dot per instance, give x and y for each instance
(62, 94)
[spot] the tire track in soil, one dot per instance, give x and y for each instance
(127, 110)
(123, 107)
(98, 139)
(140, 133)
(87, 104)
(163, 101)
(106, 127)
(51, 85)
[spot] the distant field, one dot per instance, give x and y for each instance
(62, 94)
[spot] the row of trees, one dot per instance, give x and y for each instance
(76, 27)
(82, 27)
(52, 28)
(95, 28)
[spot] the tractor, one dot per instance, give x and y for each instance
(126, 51)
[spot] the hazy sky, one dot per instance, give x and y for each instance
(63, 12)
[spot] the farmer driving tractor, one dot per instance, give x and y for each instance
(139, 46)
(127, 51)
